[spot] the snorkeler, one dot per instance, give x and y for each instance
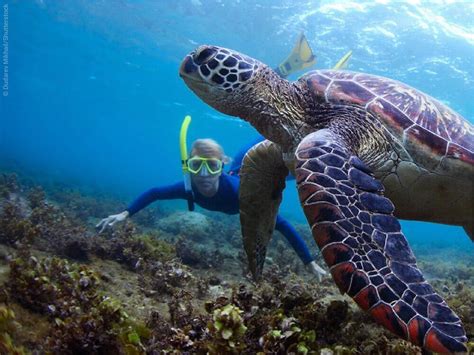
(214, 190)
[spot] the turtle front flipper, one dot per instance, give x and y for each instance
(362, 243)
(262, 181)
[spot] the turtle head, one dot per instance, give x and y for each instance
(221, 77)
(238, 85)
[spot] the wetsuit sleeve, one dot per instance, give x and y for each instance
(169, 192)
(237, 160)
(295, 240)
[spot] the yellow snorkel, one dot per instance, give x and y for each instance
(343, 61)
(184, 161)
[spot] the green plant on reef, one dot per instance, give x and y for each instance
(52, 285)
(227, 330)
(105, 328)
(151, 248)
(8, 326)
(135, 251)
(82, 318)
(290, 337)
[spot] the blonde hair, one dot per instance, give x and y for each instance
(209, 148)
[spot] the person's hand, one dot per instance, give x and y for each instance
(317, 270)
(111, 220)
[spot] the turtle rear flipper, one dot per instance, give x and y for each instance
(262, 181)
(362, 243)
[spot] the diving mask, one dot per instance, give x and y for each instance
(213, 165)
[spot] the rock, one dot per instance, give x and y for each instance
(214, 280)
(216, 291)
(77, 249)
(193, 225)
(3, 255)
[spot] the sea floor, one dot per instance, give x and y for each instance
(175, 282)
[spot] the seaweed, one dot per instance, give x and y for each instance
(179, 283)
(227, 331)
(15, 229)
(289, 337)
(167, 277)
(82, 317)
(140, 251)
(8, 327)
(165, 338)
(50, 286)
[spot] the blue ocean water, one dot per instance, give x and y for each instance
(94, 95)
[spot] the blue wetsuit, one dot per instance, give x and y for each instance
(226, 200)
(237, 161)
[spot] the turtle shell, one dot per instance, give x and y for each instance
(415, 118)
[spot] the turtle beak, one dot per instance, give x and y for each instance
(188, 67)
(189, 72)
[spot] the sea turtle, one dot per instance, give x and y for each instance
(365, 150)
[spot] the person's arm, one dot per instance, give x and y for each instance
(299, 245)
(169, 192)
(157, 193)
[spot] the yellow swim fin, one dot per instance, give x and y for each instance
(343, 61)
(301, 57)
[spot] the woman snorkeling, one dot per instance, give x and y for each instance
(214, 190)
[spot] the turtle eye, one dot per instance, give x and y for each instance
(204, 55)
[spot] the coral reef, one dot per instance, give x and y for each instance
(193, 225)
(50, 286)
(83, 206)
(82, 318)
(137, 251)
(198, 256)
(177, 288)
(33, 220)
(167, 278)
(15, 229)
